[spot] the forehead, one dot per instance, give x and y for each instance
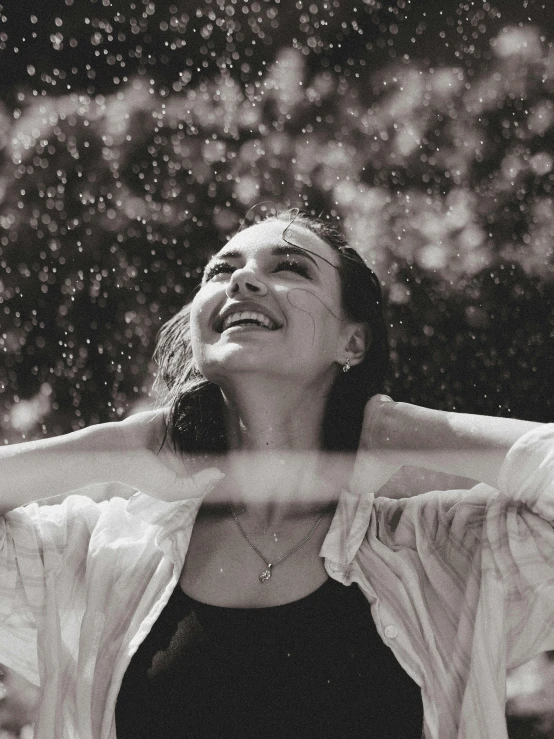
(277, 233)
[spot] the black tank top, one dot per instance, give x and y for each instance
(315, 668)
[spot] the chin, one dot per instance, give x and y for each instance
(235, 363)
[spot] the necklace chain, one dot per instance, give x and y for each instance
(266, 574)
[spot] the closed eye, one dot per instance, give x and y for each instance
(286, 265)
(291, 265)
(217, 269)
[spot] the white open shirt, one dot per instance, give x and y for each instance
(461, 587)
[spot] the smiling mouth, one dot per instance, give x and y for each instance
(247, 318)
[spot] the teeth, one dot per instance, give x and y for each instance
(235, 318)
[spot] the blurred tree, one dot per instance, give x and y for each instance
(112, 204)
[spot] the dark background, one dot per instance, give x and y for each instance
(135, 137)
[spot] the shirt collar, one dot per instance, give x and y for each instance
(346, 533)
(175, 519)
(348, 527)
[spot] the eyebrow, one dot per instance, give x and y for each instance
(279, 250)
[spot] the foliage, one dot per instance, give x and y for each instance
(111, 205)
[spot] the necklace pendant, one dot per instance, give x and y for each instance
(266, 574)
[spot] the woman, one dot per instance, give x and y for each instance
(248, 472)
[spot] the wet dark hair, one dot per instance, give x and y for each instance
(195, 421)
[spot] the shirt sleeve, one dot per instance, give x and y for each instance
(45, 559)
(485, 556)
(527, 475)
(519, 539)
(35, 541)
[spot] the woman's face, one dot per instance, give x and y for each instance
(270, 306)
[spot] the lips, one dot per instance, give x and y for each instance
(246, 315)
(246, 318)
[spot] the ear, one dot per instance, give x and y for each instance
(357, 343)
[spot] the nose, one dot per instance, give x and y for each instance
(245, 281)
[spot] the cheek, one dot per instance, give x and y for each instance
(321, 311)
(199, 324)
(195, 334)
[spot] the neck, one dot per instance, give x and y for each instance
(264, 416)
(276, 469)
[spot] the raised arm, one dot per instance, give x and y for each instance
(127, 452)
(462, 444)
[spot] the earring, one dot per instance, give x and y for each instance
(346, 365)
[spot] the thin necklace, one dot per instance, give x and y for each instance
(266, 574)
